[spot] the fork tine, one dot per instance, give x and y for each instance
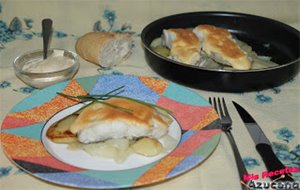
(225, 107)
(215, 104)
(225, 123)
(220, 108)
(212, 102)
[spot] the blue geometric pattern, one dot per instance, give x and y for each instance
(133, 87)
(30, 131)
(76, 180)
(182, 94)
(186, 163)
(34, 100)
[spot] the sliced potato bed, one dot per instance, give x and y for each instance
(120, 149)
(147, 147)
(258, 62)
(117, 149)
(60, 131)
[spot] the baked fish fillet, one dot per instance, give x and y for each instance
(99, 122)
(219, 45)
(183, 44)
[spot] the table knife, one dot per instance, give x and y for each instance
(263, 145)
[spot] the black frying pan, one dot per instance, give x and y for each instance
(266, 36)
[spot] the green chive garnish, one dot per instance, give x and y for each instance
(101, 97)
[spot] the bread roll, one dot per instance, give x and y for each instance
(104, 48)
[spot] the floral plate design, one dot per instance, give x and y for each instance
(22, 128)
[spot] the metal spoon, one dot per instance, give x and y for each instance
(46, 32)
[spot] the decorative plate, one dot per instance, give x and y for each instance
(22, 132)
(82, 159)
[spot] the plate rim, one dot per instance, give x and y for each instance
(43, 131)
(216, 142)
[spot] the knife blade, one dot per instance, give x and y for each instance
(263, 145)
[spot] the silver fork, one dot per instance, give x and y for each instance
(226, 123)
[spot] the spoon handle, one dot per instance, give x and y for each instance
(46, 31)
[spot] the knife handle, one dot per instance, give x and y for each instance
(272, 162)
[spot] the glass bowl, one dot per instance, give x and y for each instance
(33, 70)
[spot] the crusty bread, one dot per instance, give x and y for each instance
(104, 48)
(60, 132)
(99, 122)
(219, 45)
(183, 44)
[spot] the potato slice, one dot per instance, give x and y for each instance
(147, 147)
(60, 132)
(101, 149)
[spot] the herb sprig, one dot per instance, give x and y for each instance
(102, 97)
